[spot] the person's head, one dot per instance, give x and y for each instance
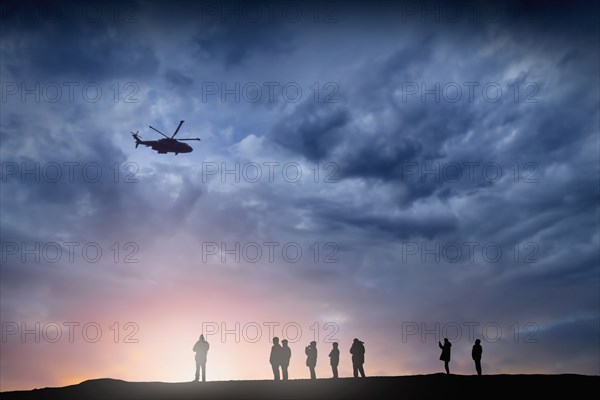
(477, 341)
(202, 338)
(313, 344)
(446, 340)
(335, 345)
(275, 340)
(284, 342)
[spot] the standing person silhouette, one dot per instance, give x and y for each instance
(201, 349)
(358, 357)
(286, 354)
(476, 354)
(311, 358)
(445, 356)
(275, 358)
(334, 359)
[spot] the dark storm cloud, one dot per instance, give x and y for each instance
(233, 44)
(337, 215)
(422, 133)
(312, 131)
(178, 79)
(57, 177)
(57, 40)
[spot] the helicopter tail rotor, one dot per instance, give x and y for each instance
(136, 136)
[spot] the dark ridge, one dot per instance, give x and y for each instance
(417, 386)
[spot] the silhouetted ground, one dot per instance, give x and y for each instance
(419, 386)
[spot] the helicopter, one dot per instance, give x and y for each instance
(166, 145)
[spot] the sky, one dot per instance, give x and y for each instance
(397, 172)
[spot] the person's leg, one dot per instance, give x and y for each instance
(284, 372)
(447, 367)
(355, 370)
(335, 371)
(197, 371)
(275, 372)
(361, 370)
(203, 372)
(312, 373)
(478, 366)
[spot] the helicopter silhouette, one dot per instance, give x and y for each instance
(166, 145)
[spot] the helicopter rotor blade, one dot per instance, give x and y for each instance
(177, 130)
(190, 139)
(159, 132)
